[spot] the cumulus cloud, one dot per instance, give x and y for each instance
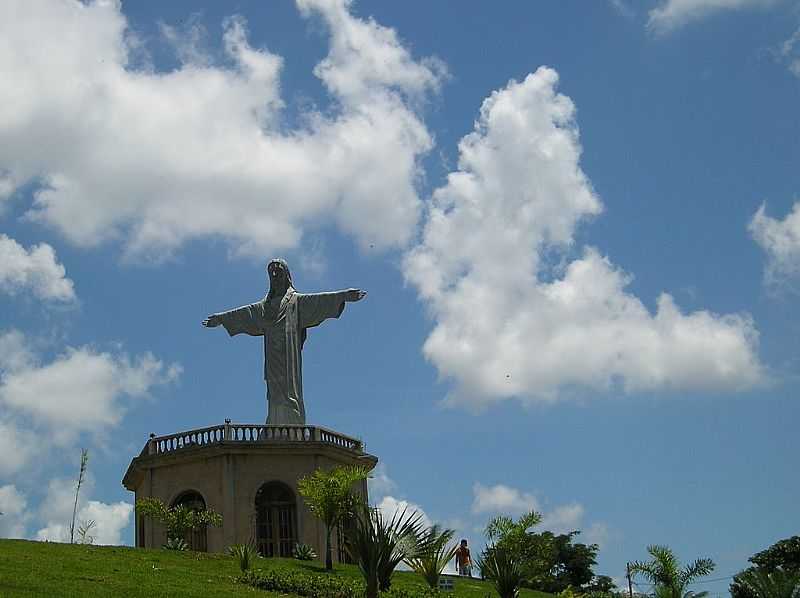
(671, 14)
(56, 509)
(36, 270)
(81, 390)
(379, 482)
(390, 505)
(780, 240)
(502, 499)
(158, 158)
(513, 502)
(510, 324)
(13, 505)
(789, 53)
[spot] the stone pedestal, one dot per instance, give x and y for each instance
(247, 473)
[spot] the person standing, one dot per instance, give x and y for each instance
(463, 560)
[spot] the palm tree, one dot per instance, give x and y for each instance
(499, 566)
(329, 496)
(665, 572)
(776, 584)
(434, 554)
(378, 545)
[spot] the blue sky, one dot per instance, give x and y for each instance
(578, 224)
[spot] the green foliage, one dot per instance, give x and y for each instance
(776, 584)
(323, 586)
(548, 562)
(783, 556)
(664, 570)
(378, 545)
(38, 569)
(328, 494)
(178, 520)
(499, 565)
(433, 554)
(601, 584)
(245, 554)
(175, 544)
(303, 584)
(304, 552)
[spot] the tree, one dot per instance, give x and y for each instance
(499, 565)
(665, 572)
(548, 562)
(178, 520)
(783, 556)
(329, 496)
(79, 483)
(378, 545)
(777, 583)
(433, 555)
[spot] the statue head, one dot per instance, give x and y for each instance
(280, 278)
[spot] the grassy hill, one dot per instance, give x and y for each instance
(63, 570)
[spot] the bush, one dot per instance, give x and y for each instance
(176, 544)
(302, 584)
(246, 553)
(323, 586)
(304, 552)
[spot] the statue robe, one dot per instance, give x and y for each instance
(283, 322)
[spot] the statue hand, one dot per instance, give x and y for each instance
(212, 321)
(355, 295)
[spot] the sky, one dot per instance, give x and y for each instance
(578, 224)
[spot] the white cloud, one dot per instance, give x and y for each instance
(502, 499)
(513, 502)
(158, 158)
(379, 482)
(671, 14)
(389, 506)
(35, 270)
(780, 239)
(81, 390)
(56, 509)
(18, 447)
(563, 519)
(789, 53)
(508, 324)
(14, 514)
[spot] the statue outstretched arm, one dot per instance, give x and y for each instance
(248, 319)
(318, 307)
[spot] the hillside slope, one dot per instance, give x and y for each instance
(62, 570)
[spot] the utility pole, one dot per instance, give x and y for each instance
(628, 575)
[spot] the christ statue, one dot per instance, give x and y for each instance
(282, 318)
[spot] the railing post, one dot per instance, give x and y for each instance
(151, 445)
(228, 430)
(317, 435)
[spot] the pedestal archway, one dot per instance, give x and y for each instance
(276, 520)
(196, 539)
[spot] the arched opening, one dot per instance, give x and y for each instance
(196, 538)
(276, 520)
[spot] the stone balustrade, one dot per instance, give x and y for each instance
(233, 434)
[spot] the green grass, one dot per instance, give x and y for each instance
(63, 570)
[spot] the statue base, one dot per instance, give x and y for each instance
(248, 474)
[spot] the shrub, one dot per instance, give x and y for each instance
(501, 568)
(323, 586)
(176, 544)
(178, 520)
(303, 584)
(433, 554)
(245, 553)
(304, 552)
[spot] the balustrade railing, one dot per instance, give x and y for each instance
(249, 434)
